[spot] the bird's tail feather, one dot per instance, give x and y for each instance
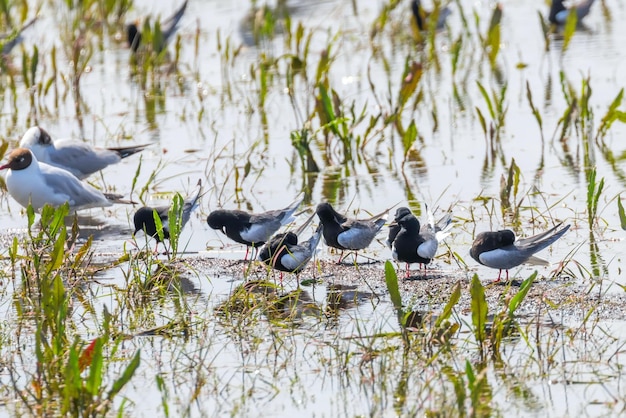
(124, 152)
(118, 198)
(537, 261)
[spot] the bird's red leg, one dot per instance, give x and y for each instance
(245, 258)
(507, 275)
(340, 257)
(500, 276)
(406, 274)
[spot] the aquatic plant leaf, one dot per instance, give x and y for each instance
(175, 221)
(485, 95)
(521, 294)
(135, 178)
(447, 310)
(33, 64)
(72, 382)
(163, 389)
(410, 79)
(82, 252)
(92, 357)
(594, 190)
(126, 375)
(493, 34)
(30, 214)
(455, 53)
(391, 278)
(58, 252)
(13, 251)
(545, 29)
(326, 112)
(611, 115)
(469, 372)
(620, 211)
(409, 137)
(158, 225)
(481, 119)
(570, 28)
(534, 109)
(479, 308)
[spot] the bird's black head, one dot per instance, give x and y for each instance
(507, 237)
(409, 222)
(217, 219)
(325, 212)
(144, 221)
(286, 238)
(401, 212)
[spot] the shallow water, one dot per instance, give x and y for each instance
(209, 125)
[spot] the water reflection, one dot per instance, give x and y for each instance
(98, 228)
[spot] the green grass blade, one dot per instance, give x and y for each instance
(479, 308)
(391, 278)
(447, 310)
(126, 376)
(620, 211)
(521, 294)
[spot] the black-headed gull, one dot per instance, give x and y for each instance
(253, 230)
(500, 250)
(29, 181)
(168, 29)
(77, 157)
(144, 217)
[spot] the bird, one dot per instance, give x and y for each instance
(558, 12)
(168, 29)
(13, 39)
(31, 182)
(77, 157)
(421, 16)
(348, 234)
(252, 230)
(283, 252)
(500, 250)
(412, 243)
(144, 216)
